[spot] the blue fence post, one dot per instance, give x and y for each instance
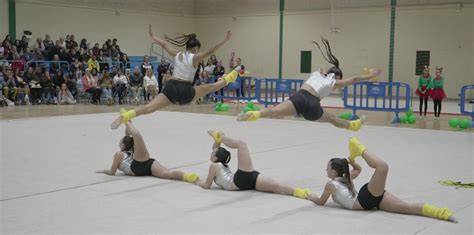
(462, 103)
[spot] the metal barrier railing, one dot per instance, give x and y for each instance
(274, 91)
(382, 96)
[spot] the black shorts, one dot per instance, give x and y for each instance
(245, 180)
(179, 92)
(367, 200)
(307, 105)
(142, 168)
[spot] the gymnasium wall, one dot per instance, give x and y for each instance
(3, 18)
(363, 40)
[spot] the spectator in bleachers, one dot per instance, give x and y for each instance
(114, 72)
(17, 45)
(48, 43)
(6, 41)
(91, 86)
(18, 63)
(105, 50)
(161, 73)
(208, 70)
(72, 43)
(71, 85)
(38, 55)
(75, 66)
(22, 86)
(65, 96)
(114, 54)
(9, 85)
(136, 84)
(28, 55)
(93, 63)
(103, 64)
(219, 71)
(58, 79)
(120, 85)
(198, 76)
(62, 43)
(39, 46)
(96, 49)
(106, 84)
(125, 61)
(146, 65)
(49, 89)
(54, 66)
(24, 43)
(34, 83)
(214, 59)
(151, 84)
(84, 45)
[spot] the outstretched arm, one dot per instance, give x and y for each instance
(115, 164)
(328, 190)
(210, 177)
(171, 51)
(202, 55)
(359, 78)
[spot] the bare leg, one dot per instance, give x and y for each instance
(331, 118)
(281, 110)
(244, 161)
(160, 171)
(265, 184)
(391, 203)
(203, 90)
(377, 182)
(157, 103)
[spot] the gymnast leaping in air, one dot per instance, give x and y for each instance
(306, 101)
(179, 89)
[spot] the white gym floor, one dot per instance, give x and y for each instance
(48, 184)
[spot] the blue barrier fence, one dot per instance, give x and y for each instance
(382, 96)
(462, 103)
(273, 91)
(241, 89)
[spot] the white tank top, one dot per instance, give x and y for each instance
(343, 195)
(321, 84)
(225, 178)
(126, 163)
(184, 68)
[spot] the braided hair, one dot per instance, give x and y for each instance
(329, 57)
(341, 166)
(189, 40)
(223, 156)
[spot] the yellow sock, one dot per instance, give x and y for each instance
(190, 177)
(254, 115)
(128, 115)
(355, 148)
(230, 77)
(355, 125)
(217, 136)
(302, 193)
(435, 212)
